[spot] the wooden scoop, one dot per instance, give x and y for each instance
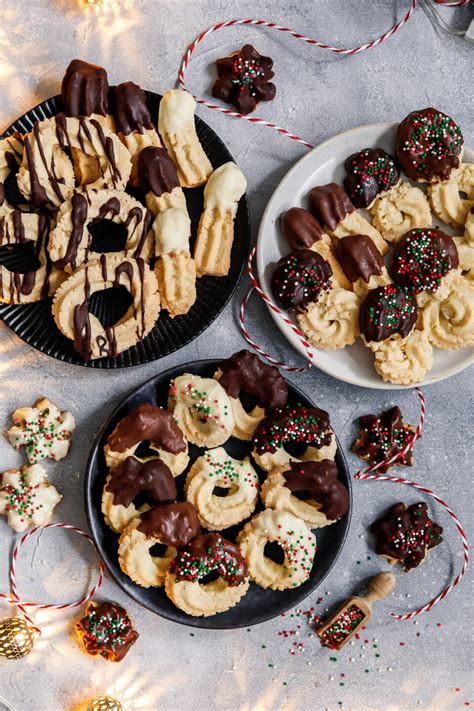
(355, 613)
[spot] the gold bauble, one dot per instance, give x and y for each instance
(105, 703)
(16, 638)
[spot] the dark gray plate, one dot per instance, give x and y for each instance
(34, 323)
(258, 605)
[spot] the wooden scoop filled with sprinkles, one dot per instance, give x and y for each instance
(355, 613)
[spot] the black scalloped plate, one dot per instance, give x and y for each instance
(34, 323)
(258, 605)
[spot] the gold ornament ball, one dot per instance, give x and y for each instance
(105, 703)
(16, 638)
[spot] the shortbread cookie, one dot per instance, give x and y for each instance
(152, 424)
(46, 174)
(405, 534)
(387, 311)
(159, 180)
(403, 208)
(177, 129)
(44, 430)
(244, 79)
(333, 321)
(449, 320)
(26, 497)
(300, 279)
(85, 90)
(293, 424)
(446, 197)
(296, 544)
(331, 205)
(244, 373)
(106, 631)
(170, 525)
(202, 409)
(215, 235)
(370, 173)
(18, 229)
(403, 361)
(75, 320)
(11, 153)
(150, 479)
(215, 468)
(382, 437)
(325, 499)
(5, 207)
(429, 145)
(363, 263)
(133, 123)
(70, 242)
(206, 555)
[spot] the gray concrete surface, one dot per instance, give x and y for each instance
(402, 665)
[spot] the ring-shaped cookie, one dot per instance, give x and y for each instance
(297, 542)
(210, 554)
(449, 321)
(447, 198)
(70, 243)
(404, 207)
(215, 468)
(152, 424)
(74, 319)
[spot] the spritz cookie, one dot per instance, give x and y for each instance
(403, 208)
(296, 545)
(217, 469)
(332, 321)
(300, 278)
(207, 556)
(363, 263)
(44, 430)
(370, 173)
(448, 319)
(11, 153)
(403, 361)
(447, 198)
(387, 311)
(26, 497)
(159, 180)
(383, 437)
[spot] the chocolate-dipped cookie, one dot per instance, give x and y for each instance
(382, 437)
(422, 258)
(130, 108)
(84, 89)
(320, 480)
(429, 145)
(304, 425)
(147, 422)
(156, 171)
(359, 257)
(300, 228)
(106, 631)
(330, 204)
(299, 279)
(133, 477)
(208, 553)
(369, 172)
(244, 79)
(170, 524)
(386, 311)
(245, 371)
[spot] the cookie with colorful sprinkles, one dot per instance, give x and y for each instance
(370, 172)
(26, 497)
(244, 79)
(43, 430)
(106, 631)
(382, 437)
(387, 311)
(299, 279)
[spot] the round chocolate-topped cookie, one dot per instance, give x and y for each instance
(299, 278)
(359, 257)
(171, 524)
(106, 631)
(306, 425)
(369, 172)
(244, 79)
(245, 371)
(320, 480)
(422, 258)
(428, 145)
(300, 228)
(206, 554)
(386, 311)
(132, 477)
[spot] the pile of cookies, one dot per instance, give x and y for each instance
(179, 544)
(336, 278)
(74, 171)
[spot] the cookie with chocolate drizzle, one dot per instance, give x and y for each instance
(106, 631)
(244, 79)
(382, 437)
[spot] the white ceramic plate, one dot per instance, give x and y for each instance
(325, 164)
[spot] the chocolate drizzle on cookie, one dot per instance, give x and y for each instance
(132, 477)
(300, 228)
(148, 422)
(304, 425)
(428, 145)
(359, 257)
(130, 109)
(299, 278)
(422, 258)
(171, 524)
(207, 554)
(382, 437)
(244, 79)
(386, 311)
(406, 534)
(369, 172)
(320, 480)
(330, 204)
(84, 89)
(245, 371)
(106, 630)
(156, 171)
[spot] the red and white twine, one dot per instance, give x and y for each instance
(14, 599)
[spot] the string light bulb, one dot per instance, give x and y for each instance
(16, 638)
(105, 703)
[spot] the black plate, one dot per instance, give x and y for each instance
(258, 605)
(34, 323)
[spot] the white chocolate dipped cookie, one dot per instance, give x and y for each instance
(26, 497)
(44, 430)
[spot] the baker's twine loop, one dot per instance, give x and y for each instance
(14, 598)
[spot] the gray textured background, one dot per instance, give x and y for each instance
(419, 666)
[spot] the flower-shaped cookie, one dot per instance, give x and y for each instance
(43, 430)
(26, 497)
(243, 79)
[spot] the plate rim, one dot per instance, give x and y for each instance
(285, 330)
(113, 365)
(93, 526)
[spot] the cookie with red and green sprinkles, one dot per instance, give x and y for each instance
(369, 172)
(382, 437)
(422, 258)
(387, 311)
(106, 630)
(429, 145)
(26, 497)
(293, 424)
(299, 278)
(43, 430)
(210, 554)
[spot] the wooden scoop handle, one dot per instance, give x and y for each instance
(380, 586)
